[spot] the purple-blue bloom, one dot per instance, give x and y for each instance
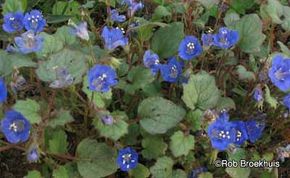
(13, 22)
(207, 39)
(34, 21)
(241, 132)
(113, 38)
(133, 6)
(15, 127)
(29, 42)
(226, 38)
(254, 130)
(286, 101)
(258, 94)
(107, 119)
(221, 133)
(279, 72)
(116, 17)
(189, 48)
(32, 154)
(151, 60)
(3, 91)
(101, 78)
(171, 71)
(81, 31)
(127, 159)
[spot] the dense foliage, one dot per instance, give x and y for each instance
(154, 88)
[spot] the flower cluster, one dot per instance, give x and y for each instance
(33, 22)
(222, 132)
(225, 38)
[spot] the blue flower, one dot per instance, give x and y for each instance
(171, 71)
(279, 72)
(207, 39)
(116, 17)
(189, 48)
(221, 133)
(254, 130)
(241, 132)
(13, 22)
(286, 101)
(101, 78)
(15, 127)
(63, 78)
(195, 172)
(3, 91)
(225, 38)
(29, 42)
(133, 6)
(81, 31)
(113, 38)
(258, 94)
(32, 155)
(34, 21)
(127, 159)
(107, 119)
(151, 60)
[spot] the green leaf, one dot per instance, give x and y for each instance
(160, 12)
(208, 3)
(231, 18)
(166, 40)
(194, 117)
(66, 8)
(200, 92)
(14, 5)
(115, 131)
(241, 5)
(250, 32)
(273, 9)
(60, 172)
(269, 99)
(51, 19)
(181, 144)
(284, 48)
(57, 141)
(140, 172)
(65, 36)
(153, 147)
(178, 174)
(158, 115)
(51, 45)
(29, 109)
(33, 174)
(132, 136)
(244, 74)
(226, 103)
(162, 168)
(61, 119)
(96, 160)
(73, 60)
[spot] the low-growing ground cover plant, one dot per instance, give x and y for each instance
(154, 88)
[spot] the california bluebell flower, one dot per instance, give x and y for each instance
(116, 17)
(113, 38)
(29, 42)
(207, 39)
(81, 31)
(3, 91)
(133, 6)
(15, 127)
(32, 154)
(101, 78)
(258, 94)
(34, 21)
(195, 172)
(221, 133)
(226, 38)
(151, 60)
(254, 130)
(63, 78)
(107, 119)
(279, 72)
(241, 132)
(189, 48)
(13, 22)
(127, 159)
(171, 71)
(286, 101)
